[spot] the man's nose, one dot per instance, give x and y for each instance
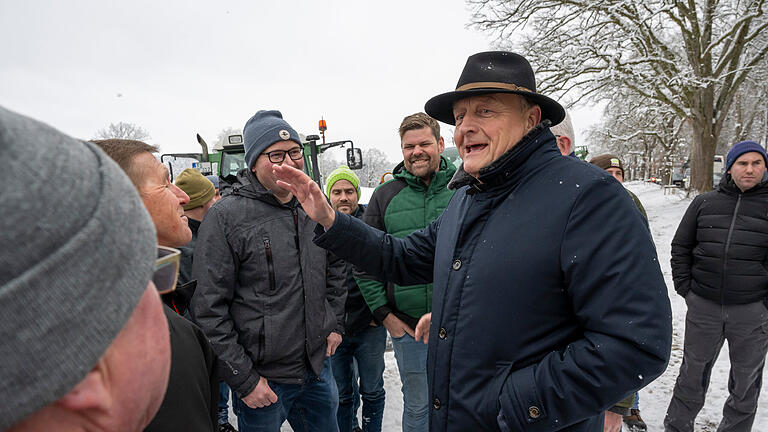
(467, 125)
(181, 195)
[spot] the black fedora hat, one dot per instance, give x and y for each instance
(494, 72)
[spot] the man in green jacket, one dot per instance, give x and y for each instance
(416, 196)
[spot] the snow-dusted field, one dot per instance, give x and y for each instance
(664, 213)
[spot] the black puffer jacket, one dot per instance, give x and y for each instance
(720, 249)
(266, 296)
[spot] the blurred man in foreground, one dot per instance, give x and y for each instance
(85, 342)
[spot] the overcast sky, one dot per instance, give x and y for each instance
(180, 68)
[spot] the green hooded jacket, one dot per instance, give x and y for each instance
(399, 207)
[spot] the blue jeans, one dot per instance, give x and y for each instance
(411, 358)
(223, 402)
(367, 348)
(307, 407)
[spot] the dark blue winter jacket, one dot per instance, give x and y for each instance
(549, 305)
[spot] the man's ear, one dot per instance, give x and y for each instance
(440, 145)
(92, 393)
(564, 144)
(533, 118)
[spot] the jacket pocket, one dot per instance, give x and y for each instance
(490, 405)
(270, 264)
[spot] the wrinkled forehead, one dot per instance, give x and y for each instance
(749, 157)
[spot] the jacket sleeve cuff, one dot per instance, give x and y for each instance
(248, 385)
(620, 410)
(521, 405)
(334, 235)
(381, 312)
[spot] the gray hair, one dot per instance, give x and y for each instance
(565, 128)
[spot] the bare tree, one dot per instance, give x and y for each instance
(223, 136)
(375, 164)
(691, 56)
(123, 130)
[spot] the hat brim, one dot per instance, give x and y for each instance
(440, 107)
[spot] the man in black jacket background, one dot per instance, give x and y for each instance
(719, 255)
(361, 353)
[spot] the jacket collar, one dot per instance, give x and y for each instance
(509, 168)
(728, 186)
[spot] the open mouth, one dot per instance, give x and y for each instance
(475, 148)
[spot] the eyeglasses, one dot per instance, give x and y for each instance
(166, 269)
(278, 156)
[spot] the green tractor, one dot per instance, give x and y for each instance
(228, 159)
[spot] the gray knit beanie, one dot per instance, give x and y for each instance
(77, 252)
(264, 129)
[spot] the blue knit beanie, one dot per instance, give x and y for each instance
(741, 148)
(264, 129)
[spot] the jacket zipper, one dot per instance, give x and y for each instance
(727, 246)
(304, 289)
(270, 265)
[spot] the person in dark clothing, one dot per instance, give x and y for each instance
(191, 399)
(361, 353)
(269, 300)
(203, 193)
(538, 263)
(627, 410)
(719, 266)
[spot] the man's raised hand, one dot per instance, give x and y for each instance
(307, 192)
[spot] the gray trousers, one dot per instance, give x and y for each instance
(707, 325)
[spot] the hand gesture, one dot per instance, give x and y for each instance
(307, 192)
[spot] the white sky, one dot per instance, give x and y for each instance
(180, 68)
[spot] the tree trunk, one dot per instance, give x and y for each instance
(702, 157)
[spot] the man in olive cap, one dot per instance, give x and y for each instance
(202, 195)
(538, 263)
(361, 353)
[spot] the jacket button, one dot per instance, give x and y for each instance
(534, 412)
(442, 333)
(456, 264)
(436, 404)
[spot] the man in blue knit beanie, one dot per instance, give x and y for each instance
(718, 265)
(270, 301)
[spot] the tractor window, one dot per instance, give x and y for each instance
(231, 163)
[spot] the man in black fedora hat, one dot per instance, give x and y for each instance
(548, 303)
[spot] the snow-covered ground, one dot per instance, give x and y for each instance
(664, 214)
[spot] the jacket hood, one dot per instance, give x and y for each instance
(506, 167)
(442, 176)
